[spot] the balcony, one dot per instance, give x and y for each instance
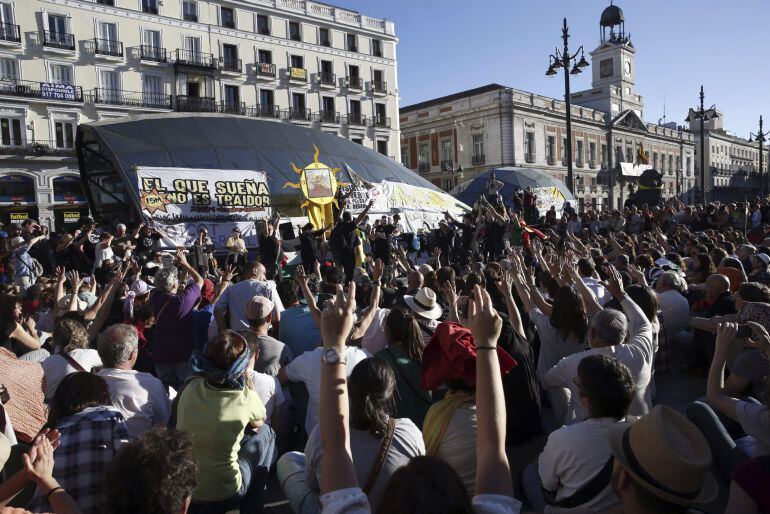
(264, 70)
(42, 90)
(379, 87)
(327, 79)
(327, 117)
(262, 111)
(9, 33)
(477, 159)
(381, 122)
(354, 83)
(195, 59)
(106, 48)
(231, 108)
(129, 98)
(230, 65)
(356, 118)
(58, 41)
(190, 17)
(299, 114)
(326, 43)
(423, 167)
(186, 103)
(153, 53)
(38, 148)
(297, 74)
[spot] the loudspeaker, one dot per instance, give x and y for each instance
(287, 231)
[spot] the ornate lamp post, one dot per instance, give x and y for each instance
(702, 115)
(759, 137)
(563, 59)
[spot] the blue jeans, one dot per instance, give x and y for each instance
(173, 375)
(255, 457)
(291, 476)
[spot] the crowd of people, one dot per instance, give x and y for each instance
(391, 368)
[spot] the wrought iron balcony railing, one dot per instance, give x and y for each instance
(10, 32)
(129, 98)
(107, 47)
(44, 90)
(60, 40)
(186, 103)
(192, 58)
(327, 116)
(327, 79)
(354, 82)
(265, 69)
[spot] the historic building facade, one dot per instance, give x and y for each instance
(64, 62)
(495, 126)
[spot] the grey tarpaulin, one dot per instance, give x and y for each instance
(108, 151)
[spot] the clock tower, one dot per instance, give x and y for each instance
(613, 87)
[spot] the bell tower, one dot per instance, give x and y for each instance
(613, 68)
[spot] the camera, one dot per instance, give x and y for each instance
(744, 331)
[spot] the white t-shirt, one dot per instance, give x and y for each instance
(235, 297)
(102, 254)
(269, 389)
(307, 369)
(458, 445)
(755, 421)
(675, 310)
(573, 456)
(374, 338)
(56, 367)
(553, 347)
(600, 292)
(140, 397)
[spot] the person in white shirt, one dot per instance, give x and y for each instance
(756, 216)
(234, 299)
(607, 336)
(71, 354)
(266, 386)
(140, 397)
(587, 272)
(674, 307)
(575, 466)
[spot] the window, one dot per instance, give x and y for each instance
(10, 132)
(266, 98)
(550, 149)
(478, 148)
(327, 76)
(323, 37)
(232, 97)
(529, 146)
(230, 58)
(376, 48)
(9, 69)
(65, 134)
(629, 154)
(265, 56)
(263, 24)
(381, 116)
(152, 90)
(355, 112)
(678, 164)
(150, 6)
(227, 17)
(298, 103)
(108, 39)
(354, 77)
(327, 104)
(592, 154)
(151, 40)
(655, 160)
(190, 10)
(579, 153)
(294, 31)
(604, 157)
(564, 151)
(192, 44)
(297, 61)
(405, 156)
(446, 151)
(378, 83)
(61, 74)
(423, 152)
(670, 164)
(351, 43)
(353, 71)
(109, 79)
(382, 146)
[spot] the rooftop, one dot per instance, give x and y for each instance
(450, 98)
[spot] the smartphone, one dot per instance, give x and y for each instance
(744, 331)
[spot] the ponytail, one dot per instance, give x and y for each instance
(403, 330)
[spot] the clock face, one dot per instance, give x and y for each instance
(605, 68)
(627, 66)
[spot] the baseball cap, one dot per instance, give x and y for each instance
(259, 307)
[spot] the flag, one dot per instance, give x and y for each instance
(642, 156)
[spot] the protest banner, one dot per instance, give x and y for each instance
(546, 197)
(181, 200)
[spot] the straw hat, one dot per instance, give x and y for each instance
(667, 455)
(424, 303)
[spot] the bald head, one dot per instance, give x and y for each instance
(414, 280)
(716, 285)
(255, 270)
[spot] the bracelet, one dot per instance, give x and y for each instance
(55, 489)
(493, 348)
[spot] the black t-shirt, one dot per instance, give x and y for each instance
(146, 243)
(268, 249)
(344, 236)
(468, 234)
(308, 246)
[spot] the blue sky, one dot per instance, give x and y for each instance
(450, 45)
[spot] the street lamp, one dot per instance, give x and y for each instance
(759, 137)
(702, 115)
(563, 59)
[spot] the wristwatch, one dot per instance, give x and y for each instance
(332, 356)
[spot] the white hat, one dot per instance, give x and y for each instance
(424, 303)
(64, 303)
(425, 269)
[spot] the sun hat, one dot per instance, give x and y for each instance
(80, 304)
(424, 304)
(666, 454)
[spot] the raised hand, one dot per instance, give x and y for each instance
(39, 461)
(377, 270)
(483, 321)
(299, 275)
(450, 291)
(337, 318)
(760, 337)
(614, 283)
(726, 336)
(505, 283)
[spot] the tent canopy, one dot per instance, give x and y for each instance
(513, 179)
(109, 150)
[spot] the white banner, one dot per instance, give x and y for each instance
(179, 201)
